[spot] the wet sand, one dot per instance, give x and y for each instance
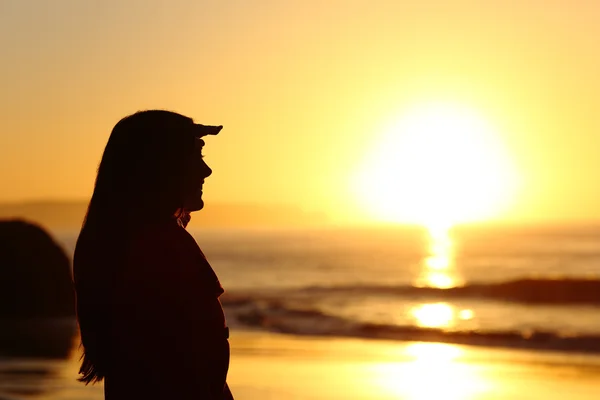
(272, 366)
(269, 366)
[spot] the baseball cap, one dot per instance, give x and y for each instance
(200, 130)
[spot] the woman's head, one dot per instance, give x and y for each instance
(152, 168)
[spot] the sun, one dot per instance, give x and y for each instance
(439, 164)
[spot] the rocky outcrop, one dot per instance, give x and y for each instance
(35, 273)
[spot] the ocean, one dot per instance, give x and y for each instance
(505, 286)
(534, 288)
(518, 287)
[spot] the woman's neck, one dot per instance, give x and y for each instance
(183, 217)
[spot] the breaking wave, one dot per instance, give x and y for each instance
(274, 316)
(281, 312)
(535, 291)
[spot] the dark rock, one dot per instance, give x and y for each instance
(48, 338)
(35, 273)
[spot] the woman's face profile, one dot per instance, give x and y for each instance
(198, 171)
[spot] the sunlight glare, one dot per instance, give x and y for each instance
(440, 164)
(433, 351)
(434, 372)
(466, 314)
(436, 315)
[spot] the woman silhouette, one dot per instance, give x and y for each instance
(151, 323)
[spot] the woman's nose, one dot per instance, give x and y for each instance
(206, 171)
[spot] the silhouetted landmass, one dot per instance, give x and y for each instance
(35, 273)
(70, 214)
(37, 303)
(37, 337)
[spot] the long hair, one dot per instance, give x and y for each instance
(141, 179)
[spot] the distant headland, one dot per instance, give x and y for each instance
(69, 214)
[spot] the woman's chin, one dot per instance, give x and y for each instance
(196, 205)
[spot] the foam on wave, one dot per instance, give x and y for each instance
(274, 315)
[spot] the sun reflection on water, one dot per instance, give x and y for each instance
(436, 315)
(430, 371)
(438, 271)
(438, 268)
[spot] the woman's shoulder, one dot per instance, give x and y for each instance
(164, 236)
(162, 244)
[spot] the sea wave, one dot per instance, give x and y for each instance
(275, 316)
(527, 290)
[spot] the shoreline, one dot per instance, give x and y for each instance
(266, 365)
(282, 366)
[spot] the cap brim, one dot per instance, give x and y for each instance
(203, 130)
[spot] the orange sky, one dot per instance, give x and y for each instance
(303, 88)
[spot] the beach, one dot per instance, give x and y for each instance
(345, 315)
(275, 366)
(390, 199)
(271, 366)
